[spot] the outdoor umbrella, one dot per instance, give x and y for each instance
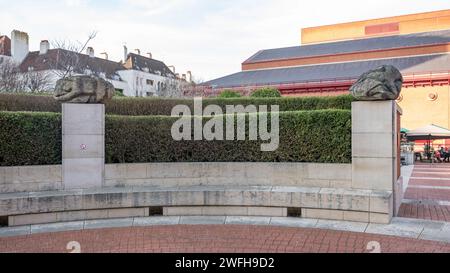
(429, 132)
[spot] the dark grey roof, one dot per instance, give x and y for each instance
(153, 66)
(425, 38)
(60, 58)
(428, 63)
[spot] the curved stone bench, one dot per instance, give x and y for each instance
(71, 205)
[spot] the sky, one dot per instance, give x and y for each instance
(211, 38)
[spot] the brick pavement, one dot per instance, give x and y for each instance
(215, 239)
(428, 193)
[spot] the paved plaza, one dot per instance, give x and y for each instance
(228, 235)
(428, 193)
(217, 239)
(423, 225)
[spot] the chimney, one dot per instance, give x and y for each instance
(105, 54)
(90, 52)
(44, 47)
(5, 46)
(189, 76)
(125, 53)
(138, 51)
(19, 45)
(150, 55)
(172, 68)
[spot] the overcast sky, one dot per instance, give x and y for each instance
(210, 37)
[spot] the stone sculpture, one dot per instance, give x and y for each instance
(83, 89)
(382, 83)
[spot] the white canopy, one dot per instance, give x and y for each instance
(429, 132)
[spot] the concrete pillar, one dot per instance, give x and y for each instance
(83, 141)
(375, 148)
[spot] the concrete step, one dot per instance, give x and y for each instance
(325, 203)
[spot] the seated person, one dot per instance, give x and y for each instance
(418, 156)
(437, 156)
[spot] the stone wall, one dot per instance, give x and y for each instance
(368, 190)
(240, 174)
(30, 178)
(49, 178)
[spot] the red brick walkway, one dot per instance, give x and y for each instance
(424, 201)
(216, 239)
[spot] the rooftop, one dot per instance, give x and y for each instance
(351, 46)
(333, 71)
(142, 63)
(58, 58)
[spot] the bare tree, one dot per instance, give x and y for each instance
(37, 81)
(170, 88)
(68, 60)
(197, 80)
(10, 78)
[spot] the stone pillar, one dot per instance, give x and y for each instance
(375, 154)
(83, 145)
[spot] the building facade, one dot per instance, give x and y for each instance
(333, 57)
(136, 76)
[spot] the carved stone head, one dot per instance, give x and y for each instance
(83, 89)
(382, 83)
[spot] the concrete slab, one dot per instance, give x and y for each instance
(243, 220)
(341, 225)
(442, 234)
(109, 223)
(202, 220)
(14, 231)
(399, 228)
(293, 222)
(155, 221)
(57, 227)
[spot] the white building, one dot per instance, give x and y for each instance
(137, 76)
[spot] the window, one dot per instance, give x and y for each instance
(150, 82)
(119, 92)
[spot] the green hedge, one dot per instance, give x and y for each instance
(267, 92)
(305, 136)
(30, 138)
(160, 106)
(229, 94)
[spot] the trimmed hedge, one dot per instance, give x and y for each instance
(28, 102)
(30, 138)
(163, 106)
(267, 92)
(305, 136)
(229, 94)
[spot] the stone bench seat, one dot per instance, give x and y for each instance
(326, 203)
